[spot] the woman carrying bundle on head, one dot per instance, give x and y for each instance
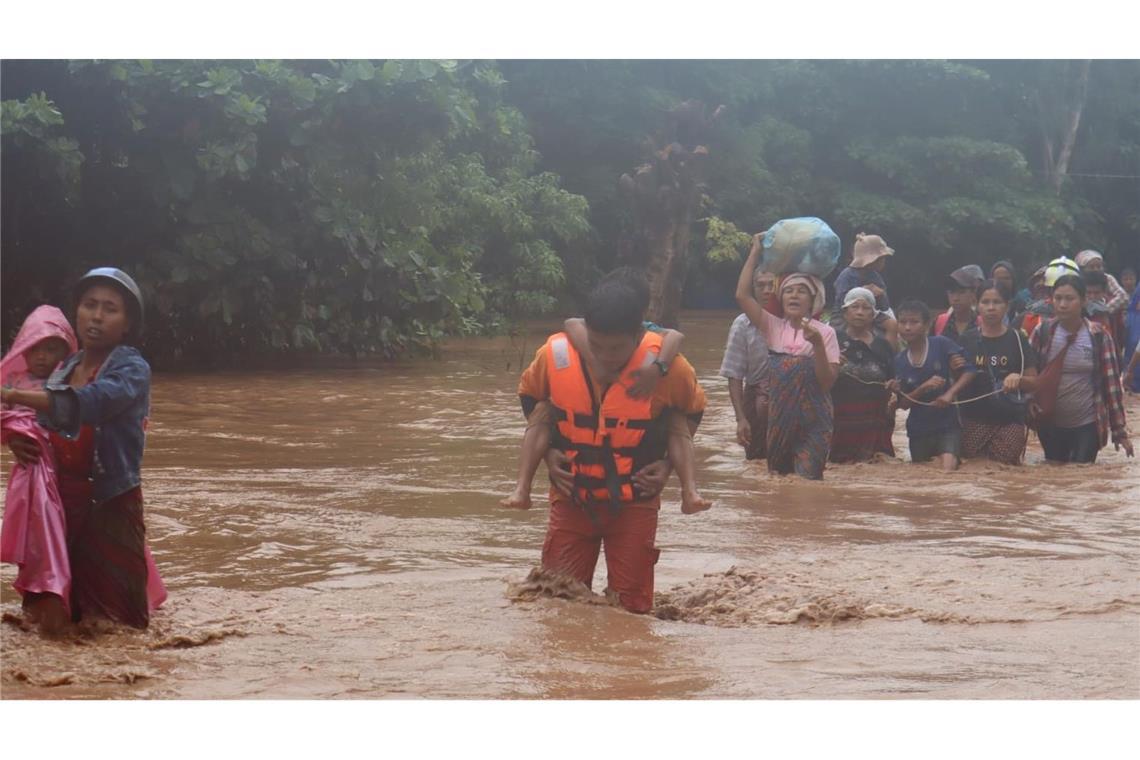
(803, 366)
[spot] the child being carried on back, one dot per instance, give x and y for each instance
(536, 440)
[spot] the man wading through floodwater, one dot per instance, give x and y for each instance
(607, 452)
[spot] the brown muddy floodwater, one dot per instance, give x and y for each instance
(336, 534)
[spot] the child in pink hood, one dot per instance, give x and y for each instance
(34, 534)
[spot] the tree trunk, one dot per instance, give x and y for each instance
(1057, 160)
(663, 195)
(1074, 122)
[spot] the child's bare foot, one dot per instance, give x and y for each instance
(692, 502)
(520, 499)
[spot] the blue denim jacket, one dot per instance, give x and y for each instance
(115, 404)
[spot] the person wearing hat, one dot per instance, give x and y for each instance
(864, 416)
(960, 293)
(1041, 285)
(95, 406)
(1093, 261)
(868, 260)
(803, 363)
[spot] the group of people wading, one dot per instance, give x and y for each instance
(612, 406)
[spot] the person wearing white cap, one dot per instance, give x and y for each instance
(864, 415)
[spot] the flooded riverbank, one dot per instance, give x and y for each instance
(337, 534)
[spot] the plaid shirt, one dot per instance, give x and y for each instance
(1110, 396)
(746, 354)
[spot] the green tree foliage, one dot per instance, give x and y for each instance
(943, 159)
(374, 206)
(357, 207)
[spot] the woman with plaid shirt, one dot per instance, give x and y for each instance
(1089, 400)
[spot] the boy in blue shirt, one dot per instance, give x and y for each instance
(924, 371)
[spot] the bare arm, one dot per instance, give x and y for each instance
(671, 341)
(38, 400)
(575, 328)
(744, 298)
(826, 373)
(736, 393)
(1028, 382)
(952, 392)
(1135, 361)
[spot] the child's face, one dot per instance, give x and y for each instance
(45, 356)
(1128, 280)
(912, 326)
(1096, 293)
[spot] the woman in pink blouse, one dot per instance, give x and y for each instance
(803, 365)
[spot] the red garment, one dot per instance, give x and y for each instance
(113, 571)
(573, 540)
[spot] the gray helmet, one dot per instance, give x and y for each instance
(125, 283)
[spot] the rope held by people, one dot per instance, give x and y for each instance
(913, 400)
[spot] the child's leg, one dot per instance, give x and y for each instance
(951, 450)
(536, 441)
(684, 461)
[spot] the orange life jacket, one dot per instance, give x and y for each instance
(1029, 322)
(606, 443)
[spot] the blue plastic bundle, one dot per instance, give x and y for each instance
(803, 244)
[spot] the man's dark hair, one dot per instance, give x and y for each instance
(635, 278)
(614, 307)
(994, 285)
(913, 306)
(1099, 279)
(1074, 281)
